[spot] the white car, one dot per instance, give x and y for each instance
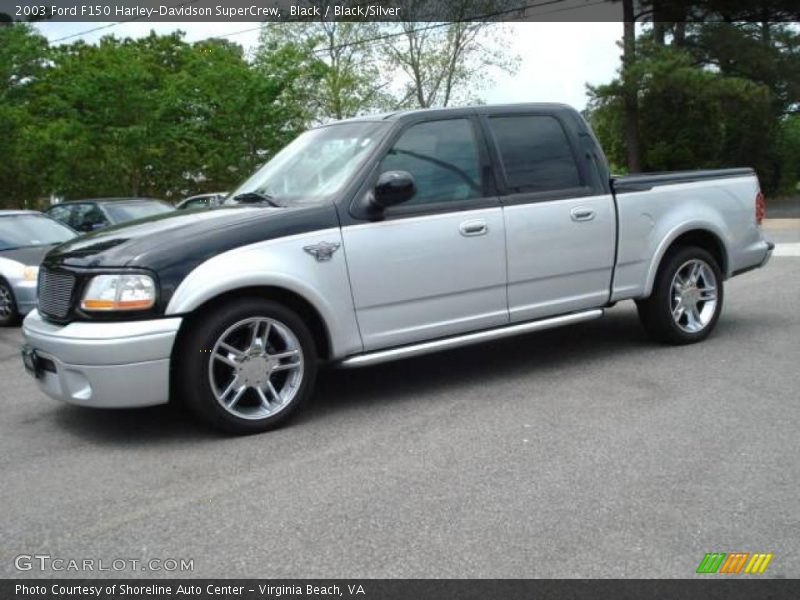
(25, 237)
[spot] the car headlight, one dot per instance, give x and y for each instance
(30, 273)
(119, 292)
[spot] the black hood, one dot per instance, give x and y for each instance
(30, 256)
(173, 244)
(132, 243)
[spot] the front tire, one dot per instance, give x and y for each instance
(246, 366)
(687, 298)
(8, 306)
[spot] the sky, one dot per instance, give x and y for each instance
(557, 59)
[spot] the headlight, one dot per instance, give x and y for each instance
(119, 292)
(30, 273)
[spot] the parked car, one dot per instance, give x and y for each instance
(90, 215)
(202, 201)
(25, 237)
(380, 238)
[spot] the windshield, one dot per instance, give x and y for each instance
(122, 212)
(316, 165)
(19, 231)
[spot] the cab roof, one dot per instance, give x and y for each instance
(486, 109)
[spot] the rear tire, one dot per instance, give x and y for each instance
(8, 306)
(686, 300)
(246, 366)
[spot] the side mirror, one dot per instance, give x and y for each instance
(393, 187)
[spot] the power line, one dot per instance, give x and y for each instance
(110, 25)
(522, 8)
(487, 16)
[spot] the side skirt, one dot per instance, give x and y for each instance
(381, 356)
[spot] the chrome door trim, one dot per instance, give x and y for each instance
(381, 356)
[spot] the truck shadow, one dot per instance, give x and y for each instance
(613, 337)
(567, 347)
(133, 427)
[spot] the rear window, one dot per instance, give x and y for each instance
(128, 211)
(535, 153)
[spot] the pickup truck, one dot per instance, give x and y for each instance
(379, 238)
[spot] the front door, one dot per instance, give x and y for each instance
(436, 265)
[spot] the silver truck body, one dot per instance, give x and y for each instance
(386, 289)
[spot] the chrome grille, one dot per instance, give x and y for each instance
(55, 292)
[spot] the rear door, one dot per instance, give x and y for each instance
(560, 229)
(435, 265)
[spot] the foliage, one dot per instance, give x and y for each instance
(158, 116)
(22, 60)
(447, 63)
(788, 151)
(153, 116)
(351, 79)
(720, 98)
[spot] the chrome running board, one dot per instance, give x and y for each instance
(380, 356)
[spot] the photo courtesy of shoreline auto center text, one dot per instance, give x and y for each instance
(399, 299)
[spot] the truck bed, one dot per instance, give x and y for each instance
(640, 182)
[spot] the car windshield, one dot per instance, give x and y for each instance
(128, 211)
(20, 231)
(315, 166)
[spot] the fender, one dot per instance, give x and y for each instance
(675, 233)
(283, 263)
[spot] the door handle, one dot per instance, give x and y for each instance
(473, 228)
(581, 213)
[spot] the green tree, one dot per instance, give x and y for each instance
(766, 53)
(351, 80)
(234, 114)
(689, 117)
(106, 122)
(23, 58)
(156, 116)
(787, 148)
(450, 62)
(703, 94)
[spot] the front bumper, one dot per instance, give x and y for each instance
(104, 365)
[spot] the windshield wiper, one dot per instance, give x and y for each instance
(257, 198)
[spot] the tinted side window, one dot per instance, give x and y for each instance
(535, 153)
(442, 156)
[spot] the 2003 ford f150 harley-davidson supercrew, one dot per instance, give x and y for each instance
(379, 238)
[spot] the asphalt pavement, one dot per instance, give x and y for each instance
(581, 452)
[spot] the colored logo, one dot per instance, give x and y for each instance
(732, 563)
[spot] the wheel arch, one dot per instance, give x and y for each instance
(305, 309)
(703, 235)
(10, 287)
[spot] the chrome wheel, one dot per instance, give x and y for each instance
(256, 368)
(6, 303)
(693, 300)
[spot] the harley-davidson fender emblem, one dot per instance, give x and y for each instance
(322, 251)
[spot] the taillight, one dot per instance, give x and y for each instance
(761, 208)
